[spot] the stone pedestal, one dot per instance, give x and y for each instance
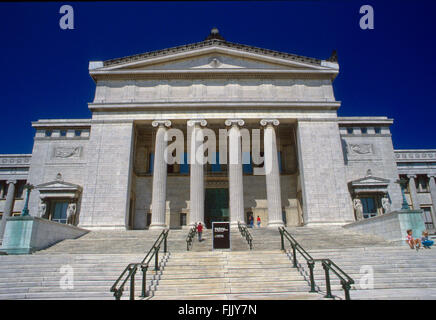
(391, 226)
(25, 235)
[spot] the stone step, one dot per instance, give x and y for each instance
(236, 284)
(58, 295)
(246, 296)
(182, 281)
(250, 290)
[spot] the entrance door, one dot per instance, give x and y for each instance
(59, 211)
(216, 207)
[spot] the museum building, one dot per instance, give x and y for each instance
(109, 171)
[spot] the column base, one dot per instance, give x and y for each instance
(157, 227)
(195, 224)
(234, 224)
(275, 224)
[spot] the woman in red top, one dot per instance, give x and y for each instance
(199, 231)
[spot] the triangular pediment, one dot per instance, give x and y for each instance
(58, 185)
(370, 180)
(212, 55)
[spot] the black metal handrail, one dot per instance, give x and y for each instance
(245, 234)
(327, 264)
(345, 279)
(131, 269)
(190, 237)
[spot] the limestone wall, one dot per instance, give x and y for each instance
(53, 155)
(326, 198)
(106, 193)
(110, 91)
(372, 151)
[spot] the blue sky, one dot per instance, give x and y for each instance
(389, 71)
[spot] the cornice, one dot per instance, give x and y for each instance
(212, 74)
(212, 43)
(219, 105)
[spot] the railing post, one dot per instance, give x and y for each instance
(165, 243)
(132, 283)
(346, 286)
(326, 265)
(311, 265)
(118, 293)
(282, 240)
(294, 254)
(144, 281)
(156, 259)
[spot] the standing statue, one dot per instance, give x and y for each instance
(71, 213)
(357, 204)
(386, 204)
(42, 210)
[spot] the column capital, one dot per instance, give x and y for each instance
(411, 176)
(11, 182)
(195, 122)
(234, 122)
(161, 123)
(431, 175)
(269, 122)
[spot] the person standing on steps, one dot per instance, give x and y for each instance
(199, 231)
(250, 221)
(258, 221)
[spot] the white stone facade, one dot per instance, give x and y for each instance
(321, 159)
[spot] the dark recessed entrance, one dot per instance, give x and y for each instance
(216, 207)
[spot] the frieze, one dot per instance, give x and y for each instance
(18, 160)
(361, 149)
(415, 155)
(67, 152)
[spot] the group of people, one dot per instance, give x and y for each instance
(412, 242)
(417, 243)
(250, 225)
(251, 221)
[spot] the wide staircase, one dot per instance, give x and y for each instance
(97, 259)
(223, 275)
(396, 272)
(236, 241)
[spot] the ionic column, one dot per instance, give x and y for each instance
(272, 174)
(236, 190)
(413, 192)
(158, 202)
(196, 172)
(432, 185)
(9, 205)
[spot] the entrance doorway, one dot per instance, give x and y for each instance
(216, 206)
(58, 211)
